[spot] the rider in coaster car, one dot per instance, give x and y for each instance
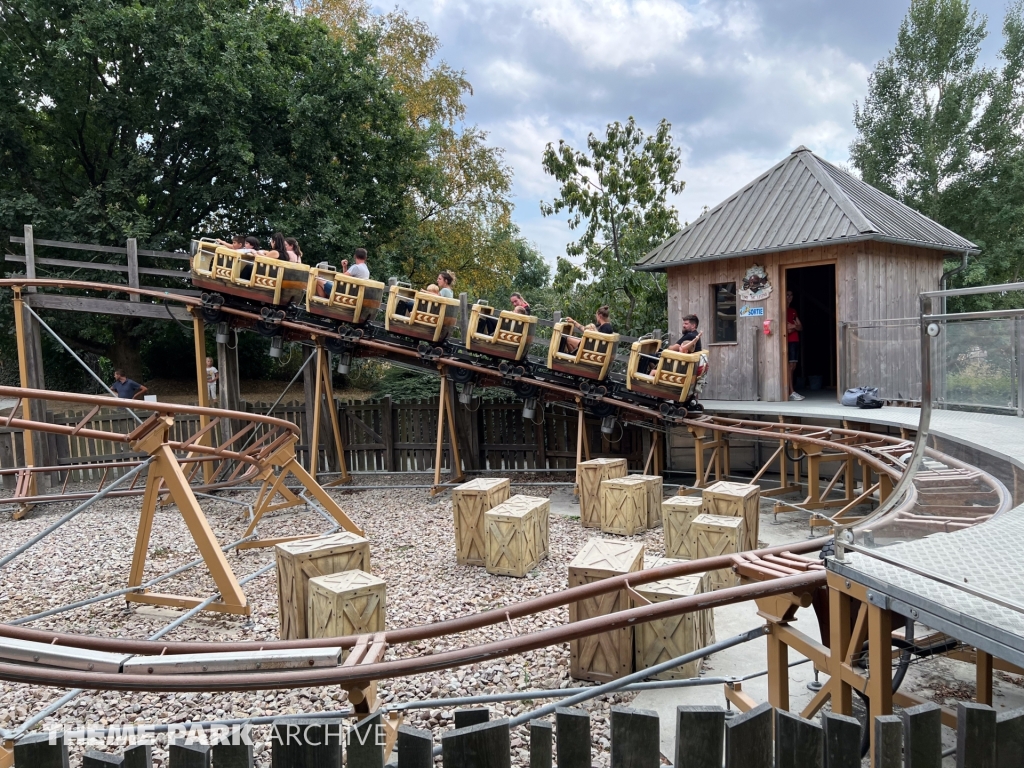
(358, 270)
(601, 324)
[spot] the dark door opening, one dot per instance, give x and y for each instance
(814, 298)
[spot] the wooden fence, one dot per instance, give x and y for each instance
(379, 436)
(704, 738)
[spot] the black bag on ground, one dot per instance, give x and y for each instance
(868, 401)
(850, 396)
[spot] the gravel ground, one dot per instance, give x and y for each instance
(412, 547)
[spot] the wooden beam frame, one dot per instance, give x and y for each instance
(165, 474)
(446, 417)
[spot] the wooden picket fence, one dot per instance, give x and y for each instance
(704, 738)
(379, 436)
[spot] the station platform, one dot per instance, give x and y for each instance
(986, 557)
(999, 435)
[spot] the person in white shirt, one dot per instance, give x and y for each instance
(212, 377)
(358, 270)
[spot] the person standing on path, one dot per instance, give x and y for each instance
(793, 329)
(125, 388)
(212, 377)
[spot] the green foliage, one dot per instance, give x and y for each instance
(458, 215)
(943, 134)
(162, 121)
(616, 193)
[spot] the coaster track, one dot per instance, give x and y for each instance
(772, 571)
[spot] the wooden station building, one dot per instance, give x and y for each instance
(853, 257)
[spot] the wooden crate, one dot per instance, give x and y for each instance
(735, 500)
(607, 656)
(655, 494)
(713, 535)
(300, 561)
(659, 641)
(346, 603)
(678, 512)
(541, 510)
(624, 505)
(589, 475)
(469, 502)
(515, 532)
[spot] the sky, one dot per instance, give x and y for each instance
(743, 82)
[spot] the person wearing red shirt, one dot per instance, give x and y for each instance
(793, 329)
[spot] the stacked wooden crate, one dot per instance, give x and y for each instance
(664, 639)
(714, 535)
(624, 505)
(655, 493)
(589, 476)
(678, 513)
(346, 603)
(516, 535)
(607, 656)
(305, 559)
(469, 503)
(726, 499)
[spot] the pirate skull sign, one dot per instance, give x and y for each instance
(755, 284)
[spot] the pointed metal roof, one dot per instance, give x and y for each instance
(802, 202)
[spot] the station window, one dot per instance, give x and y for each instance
(724, 295)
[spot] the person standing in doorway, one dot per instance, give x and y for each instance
(793, 329)
(212, 377)
(125, 388)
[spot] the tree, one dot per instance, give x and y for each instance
(617, 193)
(459, 215)
(163, 121)
(942, 134)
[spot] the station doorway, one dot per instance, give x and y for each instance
(814, 298)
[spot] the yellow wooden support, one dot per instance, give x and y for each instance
(446, 416)
(30, 453)
(199, 337)
(166, 470)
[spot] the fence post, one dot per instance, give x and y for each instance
(139, 756)
(92, 759)
(415, 748)
(487, 745)
(467, 717)
(572, 727)
(232, 755)
(306, 742)
(799, 743)
(386, 433)
(922, 736)
(30, 256)
(37, 751)
(365, 750)
(888, 742)
(1010, 739)
(1018, 326)
(748, 739)
(700, 733)
(133, 266)
(636, 738)
(189, 755)
(541, 732)
(975, 736)
(842, 741)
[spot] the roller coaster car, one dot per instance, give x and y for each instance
(592, 359)
(350, 299)
(668, 376)
(256, 278)
(510, 338)
(419, 314)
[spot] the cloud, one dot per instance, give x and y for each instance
(743, 82)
